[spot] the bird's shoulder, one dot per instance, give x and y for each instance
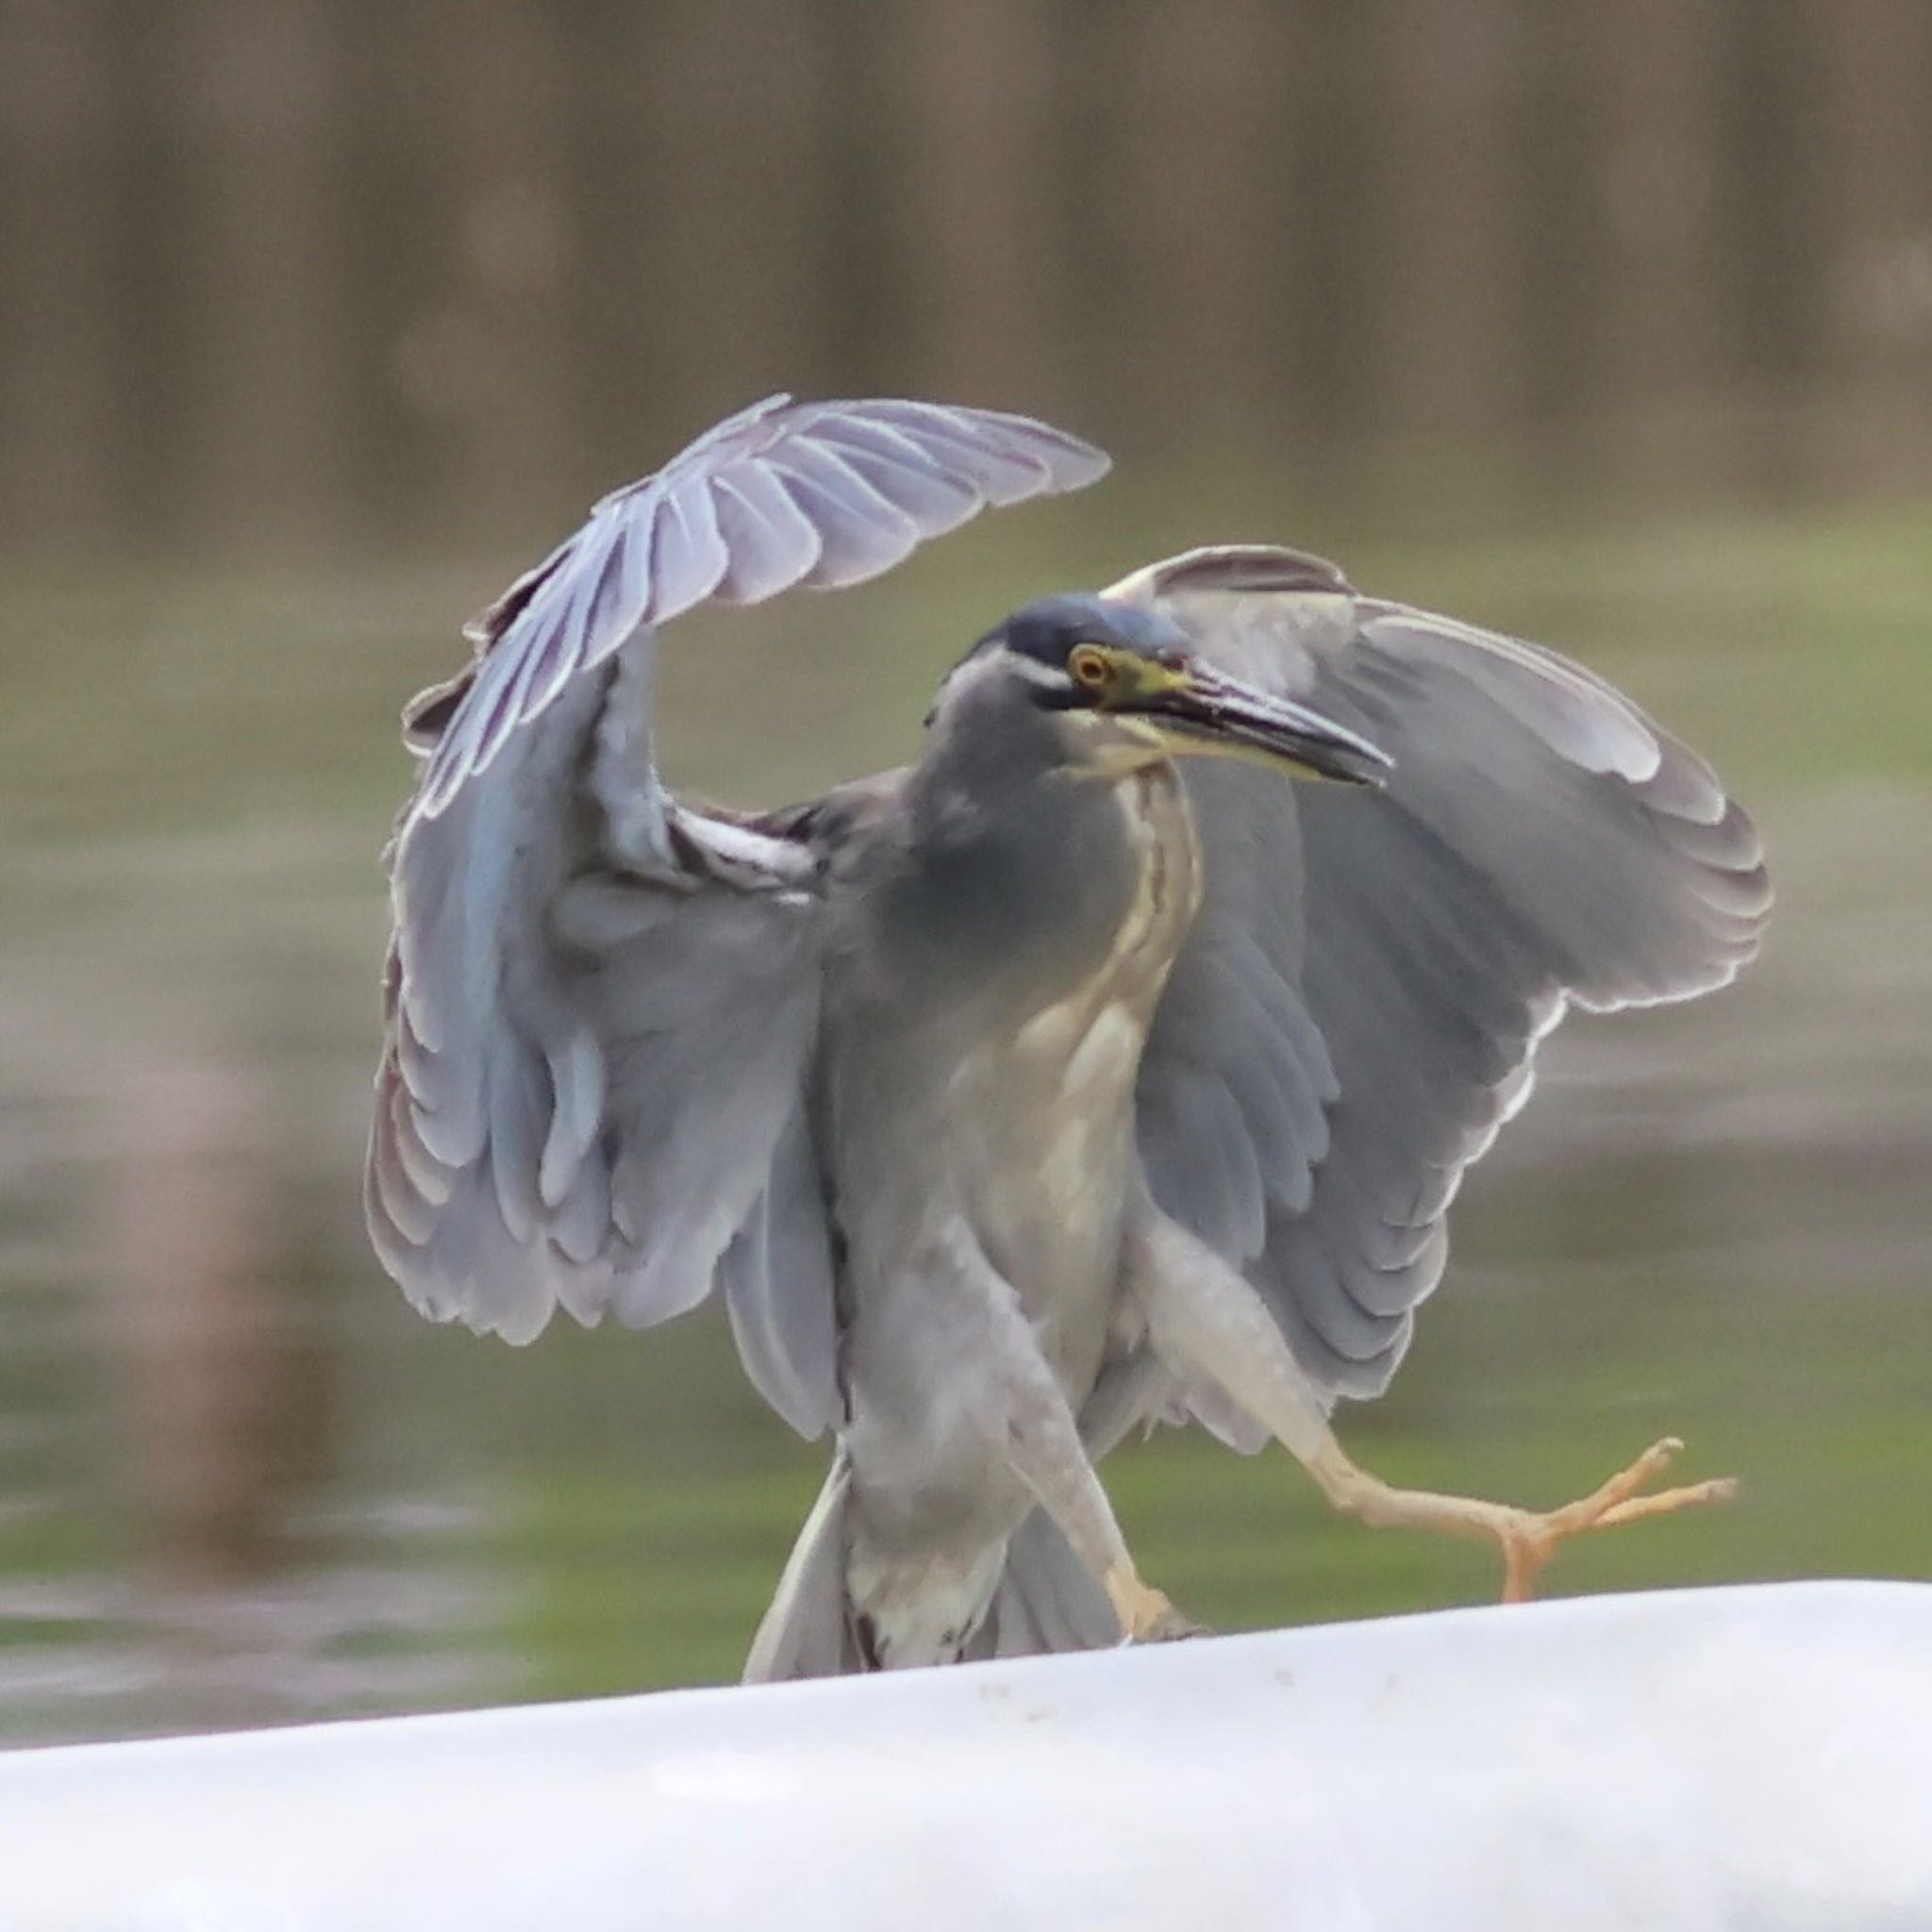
(837, 826)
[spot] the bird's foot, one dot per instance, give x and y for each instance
(1529, 1540)
(1146, 1615)
(1528, 1537)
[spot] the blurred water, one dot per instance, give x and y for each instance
(240, 1483)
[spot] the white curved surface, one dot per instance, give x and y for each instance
(1752, 1759)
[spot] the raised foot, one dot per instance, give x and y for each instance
(1528, 1537)
(1146, 1614)
(1529, 1540)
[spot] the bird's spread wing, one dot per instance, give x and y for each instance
(1356, 1011)
(600, 1001)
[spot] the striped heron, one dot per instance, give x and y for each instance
(1082, 1073)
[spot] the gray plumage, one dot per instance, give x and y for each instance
(1357, 1008)
(911, 1075)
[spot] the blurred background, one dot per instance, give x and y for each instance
(321, 318)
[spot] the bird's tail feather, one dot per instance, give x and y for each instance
(1044, 1600)
(809, 1632)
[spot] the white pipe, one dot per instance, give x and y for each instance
(1745, 1757)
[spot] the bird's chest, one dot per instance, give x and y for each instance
(1052, 1093)
(1078, 1048)
(985, 1029)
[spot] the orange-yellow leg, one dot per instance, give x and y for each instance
(1207, 1322)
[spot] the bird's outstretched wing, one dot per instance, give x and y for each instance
(600, 1001)
(1357, 1008)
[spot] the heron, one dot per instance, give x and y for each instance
(1115, 1061)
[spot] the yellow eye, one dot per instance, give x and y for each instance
(1089, 667)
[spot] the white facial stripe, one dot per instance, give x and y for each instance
(1047, 676)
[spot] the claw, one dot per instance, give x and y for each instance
(1172, 1626)
(1146, 1615)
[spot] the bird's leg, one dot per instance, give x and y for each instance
(1207, 1321)
(1043, 1446)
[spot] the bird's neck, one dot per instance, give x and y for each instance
(1034, 881)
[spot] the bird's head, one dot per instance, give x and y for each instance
(1126, 687)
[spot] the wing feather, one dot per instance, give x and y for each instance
(770, 540)
(688, 553)
(1541, 843)
(765, 501)
(601, 1002)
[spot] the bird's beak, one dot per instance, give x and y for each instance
(1198, 710)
